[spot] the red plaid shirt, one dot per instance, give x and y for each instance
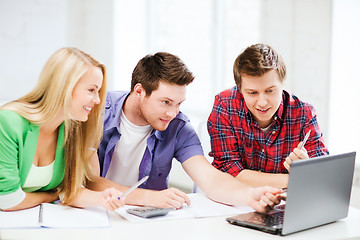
(238, 143)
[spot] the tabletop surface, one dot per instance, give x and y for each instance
(195, 228)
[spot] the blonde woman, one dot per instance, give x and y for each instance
(48, 135)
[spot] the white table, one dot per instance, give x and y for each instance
(199, 228)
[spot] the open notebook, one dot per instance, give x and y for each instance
(55, 216)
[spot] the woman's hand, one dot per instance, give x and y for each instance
(110, 199)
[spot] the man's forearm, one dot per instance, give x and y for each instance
(259, 179)
(226, 190)
(218, 186)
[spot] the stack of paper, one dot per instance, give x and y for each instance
(200, 207)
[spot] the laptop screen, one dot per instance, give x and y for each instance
(319, 191)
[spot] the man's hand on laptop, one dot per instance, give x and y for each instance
(283, 194)
(264, 199)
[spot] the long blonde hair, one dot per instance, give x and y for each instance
(52, 94)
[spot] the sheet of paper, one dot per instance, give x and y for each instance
(28, 218)
(201, 206)
(58, 216)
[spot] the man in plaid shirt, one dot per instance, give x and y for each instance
(256, 128)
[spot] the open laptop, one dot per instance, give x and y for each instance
(318, 193)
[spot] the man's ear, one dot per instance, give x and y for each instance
(139, 90)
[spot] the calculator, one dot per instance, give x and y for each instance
(149, 212)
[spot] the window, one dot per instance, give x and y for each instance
(344, 119)
(206, 35)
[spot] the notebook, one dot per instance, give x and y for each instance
(318, 193)
(55, 216)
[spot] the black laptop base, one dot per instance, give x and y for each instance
(259, 221)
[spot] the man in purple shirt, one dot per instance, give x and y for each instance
(144, 130)
(161, 147)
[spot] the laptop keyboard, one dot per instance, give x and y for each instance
(273, 218)
(276, 219)
(280, 207)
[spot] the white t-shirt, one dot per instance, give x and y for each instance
(267, 129)
(128, 152)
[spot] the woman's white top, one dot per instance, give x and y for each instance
(38, 177)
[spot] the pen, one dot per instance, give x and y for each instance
(133, 187)
(305, 139)
(283, 192)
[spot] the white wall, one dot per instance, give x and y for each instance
(345, 99)
(30, 31)
(91, 27)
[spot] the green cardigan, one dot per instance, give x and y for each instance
(18, 141)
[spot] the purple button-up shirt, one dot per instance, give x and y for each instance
(178, 141)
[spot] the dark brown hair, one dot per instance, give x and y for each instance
(257, 60)
(161, 66)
